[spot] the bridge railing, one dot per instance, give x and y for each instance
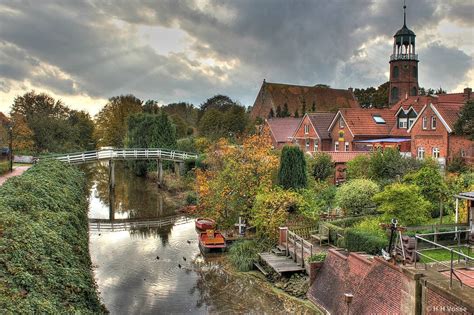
(122, 154)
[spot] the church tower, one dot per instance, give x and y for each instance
(403, 64)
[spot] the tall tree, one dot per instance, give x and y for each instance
(373, 97)
(111, 121)
(278, 111)
(83, 128)
(292, 172)
(465, 123)
(271, 114)
(285, 112)
(149, 131)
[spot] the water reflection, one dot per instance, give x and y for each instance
(159, 270)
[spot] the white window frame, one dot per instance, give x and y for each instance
(316, 145)
(420, 153)
(433, 122)
(411, 121)
(307, 144)
(435, 152)
(306, 129)
(424, 123)
(402, 123)
(336, 146)
(463, 153)
(346, 146)
(341, 122)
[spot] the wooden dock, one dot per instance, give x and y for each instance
(280, 264)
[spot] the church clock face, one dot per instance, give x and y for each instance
(405, 67)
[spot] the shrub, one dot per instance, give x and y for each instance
(243, 254)
(317, 257)
(358, 167)
(4, 167)
(387, 165)
(357, 241)
(186, 145)
(403, 202)
(355, 196)
(322, 166)
(292, 172)
(191, 198)
(371, 225)
(45, 263)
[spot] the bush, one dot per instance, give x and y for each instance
(317, 257)
(45, 262)
(4, 167)
(322, 166)
(371, 225)
(243, 254)
(358, 167)
(292, 172)
(403, 202)
(357, 241)
(191, 198)
(355, 196)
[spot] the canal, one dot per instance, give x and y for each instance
(158, 269)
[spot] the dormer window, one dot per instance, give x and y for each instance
(341, 122)
(424, 123)
(410, 122)
(402, 123)
(378, 119)
(306, 129)
(433, 122)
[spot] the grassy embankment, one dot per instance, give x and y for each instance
(45, 264)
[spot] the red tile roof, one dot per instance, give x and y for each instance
(4, 119)
(361, 121)
(283, 129)
(449, 112)
(345, 156)
(321, 121)
(272, 95)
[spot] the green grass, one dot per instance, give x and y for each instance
(441, 254)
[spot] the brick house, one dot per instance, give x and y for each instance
(281, 130)
(432, 131)
(312, 134)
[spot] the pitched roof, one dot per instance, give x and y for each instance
(449, 112)
(361, 121)
(415, 102)
(272, 95)
(283, 129)
(321, 122)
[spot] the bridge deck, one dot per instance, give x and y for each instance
(280, 264)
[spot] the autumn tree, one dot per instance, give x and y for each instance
(373, 97)
(111, 121)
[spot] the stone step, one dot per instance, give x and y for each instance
(278, 252)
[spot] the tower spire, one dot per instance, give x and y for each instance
(404, 14)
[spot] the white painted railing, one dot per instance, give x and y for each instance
(123, 154)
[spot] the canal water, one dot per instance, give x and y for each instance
(159, 269)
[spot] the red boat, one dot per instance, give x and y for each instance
(204, 224)
(211, 240)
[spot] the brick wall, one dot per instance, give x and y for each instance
(406, 79)
(437, 304)
(311, 135)
(456, 143)
(335, 136)
(429, 138)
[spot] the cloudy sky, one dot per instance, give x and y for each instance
(87, 51)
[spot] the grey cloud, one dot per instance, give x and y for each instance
(301, 42)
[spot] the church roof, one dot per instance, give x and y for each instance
(272, 95)
(405, 31)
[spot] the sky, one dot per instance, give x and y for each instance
(85, 51)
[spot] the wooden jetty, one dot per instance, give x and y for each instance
(281, 264)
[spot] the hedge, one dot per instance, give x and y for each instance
(45, 264)
(356, 241)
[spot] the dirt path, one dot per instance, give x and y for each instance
(16, 171)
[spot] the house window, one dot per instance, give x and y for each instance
(421, 153)
(436, 153)
(307, 144)
(306, 129)
(336, 146)
(463, 154)
(433, 122)
(346, 146)
(410, 122)
(341, 122)
(425, 122)
(315, 146)
(378, 119)
(402, 123)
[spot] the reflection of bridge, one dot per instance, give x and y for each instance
(160, 155)
(127, 224)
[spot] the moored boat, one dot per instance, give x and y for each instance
(211, 240)
(204, 224)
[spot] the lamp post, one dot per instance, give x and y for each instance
(10, 146)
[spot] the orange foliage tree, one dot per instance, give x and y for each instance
(235, 174)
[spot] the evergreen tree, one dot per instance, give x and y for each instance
(465, 124)
(313, 108)
(285, 112)
(297, 115)
(278, 111)
(303, 111)
(292, 172)
(271, 114)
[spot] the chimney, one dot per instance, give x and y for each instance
(467, 93)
